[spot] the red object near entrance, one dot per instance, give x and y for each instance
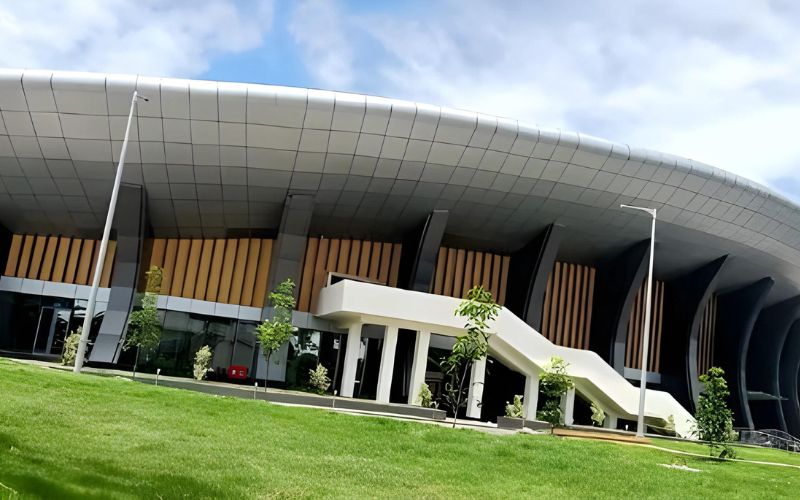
(237, 372)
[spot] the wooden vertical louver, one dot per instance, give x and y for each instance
(635, 339)
(59, 259)
(705, 337)
(232, 271)
(458, 270)
(567, 311)
(371, 260)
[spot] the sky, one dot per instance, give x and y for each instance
(715, 81)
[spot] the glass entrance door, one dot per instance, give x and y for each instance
(51, 330)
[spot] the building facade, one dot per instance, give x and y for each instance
(231, 188)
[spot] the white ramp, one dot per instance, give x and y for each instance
(514, 342)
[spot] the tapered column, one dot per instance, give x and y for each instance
(420, 248)
(531, 397)
(387, 364)
(351, 353)
(418, 366)
(610, 422)
(476, 377)
(568, 406)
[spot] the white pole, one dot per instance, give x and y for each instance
(647, 308)
(101, 257)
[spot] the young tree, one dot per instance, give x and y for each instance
(273, 333)
(202, 362)
(479, 308)
(144, 327)
(553, 384)
(714, 420)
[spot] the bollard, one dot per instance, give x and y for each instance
(255, 390)
(158, 372)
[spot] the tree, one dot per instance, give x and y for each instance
(202, 362)
(479, 308)
(273, 333)
(714, 420)
(553, 384)
(598, 415)
(71, 347)
(144, 327)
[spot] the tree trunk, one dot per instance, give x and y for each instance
(460, 392)
(266, 372)
(135, 362)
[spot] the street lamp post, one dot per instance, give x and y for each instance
(647, 307)
(101, 256)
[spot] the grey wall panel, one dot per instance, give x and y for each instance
(764, 358)
(789, 374)
(737, 312)
(129, 227)
(616, 286)
(683, 312)
(528, 272)
(420, 249)
(289, 249)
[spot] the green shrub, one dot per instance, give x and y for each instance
(598, 415)
(318, 379)
(425, 397)
(202, 362)
(71, 347)
(714, 420)
(553, 384)
(514, 410)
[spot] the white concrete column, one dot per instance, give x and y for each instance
(568, 406)
(387, 364)
(475, 395)
(610, 422)
(418, 366)
(351, 353)
(531, 397)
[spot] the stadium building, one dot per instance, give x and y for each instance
(384, 212)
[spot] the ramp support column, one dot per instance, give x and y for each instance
(476, 378)
(419, 366)
(351, 355)
(387, 364)
(531, 397)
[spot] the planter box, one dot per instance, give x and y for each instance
(510, 423)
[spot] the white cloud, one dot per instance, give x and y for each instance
(316, 26)
(712, 80)
(176, 38)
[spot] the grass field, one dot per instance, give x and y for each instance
(86, 436)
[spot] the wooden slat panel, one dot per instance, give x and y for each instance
(504, 280)
(25, 256)
(157, 254)
(319, 270)
(192, 267)
(250, 272)
(203, 269)
(226, 276)
(333, 258)
(170, 254)
(85, 262)
(95, 258)
(344, 256)
(451, 275)
(438, 279)
(215, 272)
(386, 261)
(108, 264)
(590, 308)
(562, 304)
(363, 263)
(477, 268)
(469, 267)
(262, 274)
(495, 278)
(394, 269)
(72, 261)
(486, 273)
(179, 269)
(569, 305)
(36, 257)
(239, 265)
(551, 328)
(61, 259)
(583, 306)
(13, 255)
(576, 307)
(49, 258)
(355, 254)
(307, 278)
(374, 261)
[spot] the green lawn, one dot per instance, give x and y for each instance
(86, 436)
(742, 452)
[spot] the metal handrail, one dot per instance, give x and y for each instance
(770, 438)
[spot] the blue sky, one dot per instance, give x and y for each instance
(717, 81)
